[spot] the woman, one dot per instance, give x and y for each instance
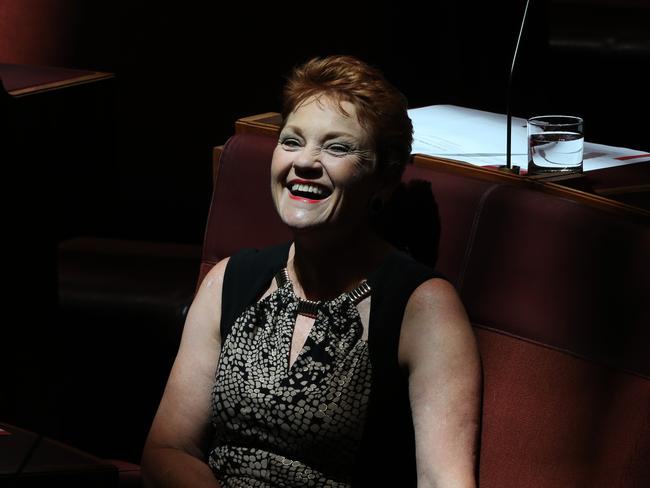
(339, 360)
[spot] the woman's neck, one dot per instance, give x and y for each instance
(322, 267)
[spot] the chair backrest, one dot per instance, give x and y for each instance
(242, 213)
(555, 290)
(557, 293)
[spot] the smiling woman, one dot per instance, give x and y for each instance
(333, 360)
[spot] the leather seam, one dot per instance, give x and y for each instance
(569, 352)
(472, 235)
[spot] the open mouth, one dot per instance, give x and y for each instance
(308, 191)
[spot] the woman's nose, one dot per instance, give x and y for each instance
(307, 158)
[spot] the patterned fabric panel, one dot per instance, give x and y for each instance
(298, 426)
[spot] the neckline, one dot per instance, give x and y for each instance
(310, 308)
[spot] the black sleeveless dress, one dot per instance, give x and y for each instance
(340, 415)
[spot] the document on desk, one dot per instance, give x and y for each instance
(466, 134)
(479, 138)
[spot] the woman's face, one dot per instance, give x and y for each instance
(322, 174)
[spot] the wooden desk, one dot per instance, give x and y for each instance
(21, 80)
(28, 460)
(624, 189)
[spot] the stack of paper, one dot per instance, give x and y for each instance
(478, 137)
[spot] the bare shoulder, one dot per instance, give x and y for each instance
(182, 420)
(432, 295)
(434, 302)
(212, 283)
(434, 317)
(205, 310)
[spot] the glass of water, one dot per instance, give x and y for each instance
(555, 144)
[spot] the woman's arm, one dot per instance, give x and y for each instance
(174, 453)
(438, 347)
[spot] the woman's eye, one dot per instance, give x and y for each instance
(290, 143)
(339, 149)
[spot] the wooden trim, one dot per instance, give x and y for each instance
(622, 190)
(594, 200)
(466, 169)
(267, 123)
(80, 80)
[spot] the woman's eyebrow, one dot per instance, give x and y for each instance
(329, 135)
(332, 135)
(294, 129)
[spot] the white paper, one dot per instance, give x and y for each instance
(479, 138)
(599, 156)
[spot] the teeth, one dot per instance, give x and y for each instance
(307, 188)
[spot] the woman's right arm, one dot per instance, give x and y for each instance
(175, 450)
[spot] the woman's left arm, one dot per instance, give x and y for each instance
(438, 347)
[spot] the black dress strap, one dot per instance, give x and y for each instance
(248, 274)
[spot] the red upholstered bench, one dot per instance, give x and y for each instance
(557, 291)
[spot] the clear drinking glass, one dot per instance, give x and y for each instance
(555, 144)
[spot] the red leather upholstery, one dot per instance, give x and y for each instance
(553, 419)
(561, 273)
(242, 212)
(458, 199)
(556, 291)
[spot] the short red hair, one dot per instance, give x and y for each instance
(381, 108)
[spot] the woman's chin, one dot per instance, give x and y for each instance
(303, 223)
(303, 226)
(307, 227)
(299, 219)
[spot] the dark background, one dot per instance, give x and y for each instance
(131, 158)
(185, 72)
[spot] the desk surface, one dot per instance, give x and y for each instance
(20, 80)
(623, 188)
(40, 461)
